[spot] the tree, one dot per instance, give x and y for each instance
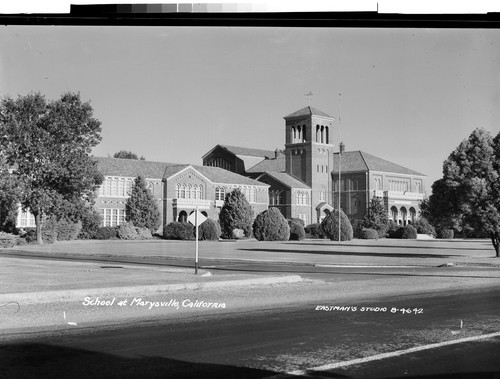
(330, 225)
(236, 213)
(48, 145)
(140, 208)
(9, 198)
(270, 225)
(376, 218)
(467, 198)
(124, 154)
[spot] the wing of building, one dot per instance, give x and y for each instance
(178, 188)
(303, 178)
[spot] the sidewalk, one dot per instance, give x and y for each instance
(39, 281)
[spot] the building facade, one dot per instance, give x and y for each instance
(179, 189)
(303, 178)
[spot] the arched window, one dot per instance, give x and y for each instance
(294, 134)
(177, 191)
(327, 135)
(322, 133)
(220, 193)
(317, 133)
(303, 133)
(322, 193)
(299, 129)
(182, 193)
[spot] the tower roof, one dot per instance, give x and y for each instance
(308, 111)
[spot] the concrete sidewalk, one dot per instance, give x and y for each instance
(40, 281)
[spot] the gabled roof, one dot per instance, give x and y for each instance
(308, 111)
(286, 179)
(131, 167)
(160, 170)
(245, 151)
(277, 165)
(352, 161)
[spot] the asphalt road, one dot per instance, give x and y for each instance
(262, 343)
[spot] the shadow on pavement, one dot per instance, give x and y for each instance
(37, 360)
(352, 253)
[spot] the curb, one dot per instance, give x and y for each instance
(80, 294)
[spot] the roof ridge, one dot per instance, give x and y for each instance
(364, 160)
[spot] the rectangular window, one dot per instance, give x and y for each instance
(121, 217)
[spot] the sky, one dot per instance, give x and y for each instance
(172, 93)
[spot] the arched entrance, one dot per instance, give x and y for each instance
(182, 216)
(323, 209)
(394, 214)
(404, 215)
(413, 215)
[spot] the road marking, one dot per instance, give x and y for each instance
(381, 356)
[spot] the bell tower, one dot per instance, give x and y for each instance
(309, 150)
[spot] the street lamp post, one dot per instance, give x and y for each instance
(340, 156)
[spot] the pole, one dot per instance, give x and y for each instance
(196, 242)
(340, 153)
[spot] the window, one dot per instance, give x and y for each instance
(302, 198)
(275, 197)
(304, 218)
(250, 193)
(322, 193)
(220, 193)
(112, 217)
(116, 187)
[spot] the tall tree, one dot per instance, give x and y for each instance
(467, 198)
(141, 209)
(376, 218)
(48, 145)
(236, 213)
(9, 198)
(124, 154)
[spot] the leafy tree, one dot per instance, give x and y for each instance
(236, 213)
(270, 225)
(467, 198)
(124, 154)
(376, 218)
(209, 230)
(140, 208)
(330, 225)
(9, 198)
(48, 144)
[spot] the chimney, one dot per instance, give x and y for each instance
(342, 148)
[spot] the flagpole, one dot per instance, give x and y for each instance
(340, 155)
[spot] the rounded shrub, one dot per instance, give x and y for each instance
(270, 225)
(104, 233)
(409, 233)
(91, 221)
(129, 231)
(368, 234)
(178, 231)
(209, 230)
(446, 234)
(330, 225)
(314, 231)
(423, 226)
(29, 235)
(297, 231)
(7, 240)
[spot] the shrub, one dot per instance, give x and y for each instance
(49, 230)
(330, 225)
(7, 240)
(423, 226)
(376, 217)
(394, 230)
(446, 234)
(409, 232)
(357, 227)
(236, 213)
(67, 230)
(209, 230)
(270, 225)
(238, 233)
(297, 232)
(105, 233)
(368, 234)
(314, 231)
(129, 231)
(91, 221)
(299, 220)
(30, 235)
(178, 231)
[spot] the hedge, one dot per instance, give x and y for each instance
(178, 231)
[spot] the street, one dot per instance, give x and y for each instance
(266, 342)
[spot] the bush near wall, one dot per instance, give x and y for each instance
(270, 225)
(314, 231)
(105, 233)
(330, 225)
(178, 231)
(297, 231)
(209, 230)
(7, 240)
(368, 234)
(59, 230)
(128, 231)
(409, 233)
(394, 230)
(446, 234)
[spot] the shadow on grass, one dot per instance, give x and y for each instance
(334, 243)
(37, 360)
(352, 253)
